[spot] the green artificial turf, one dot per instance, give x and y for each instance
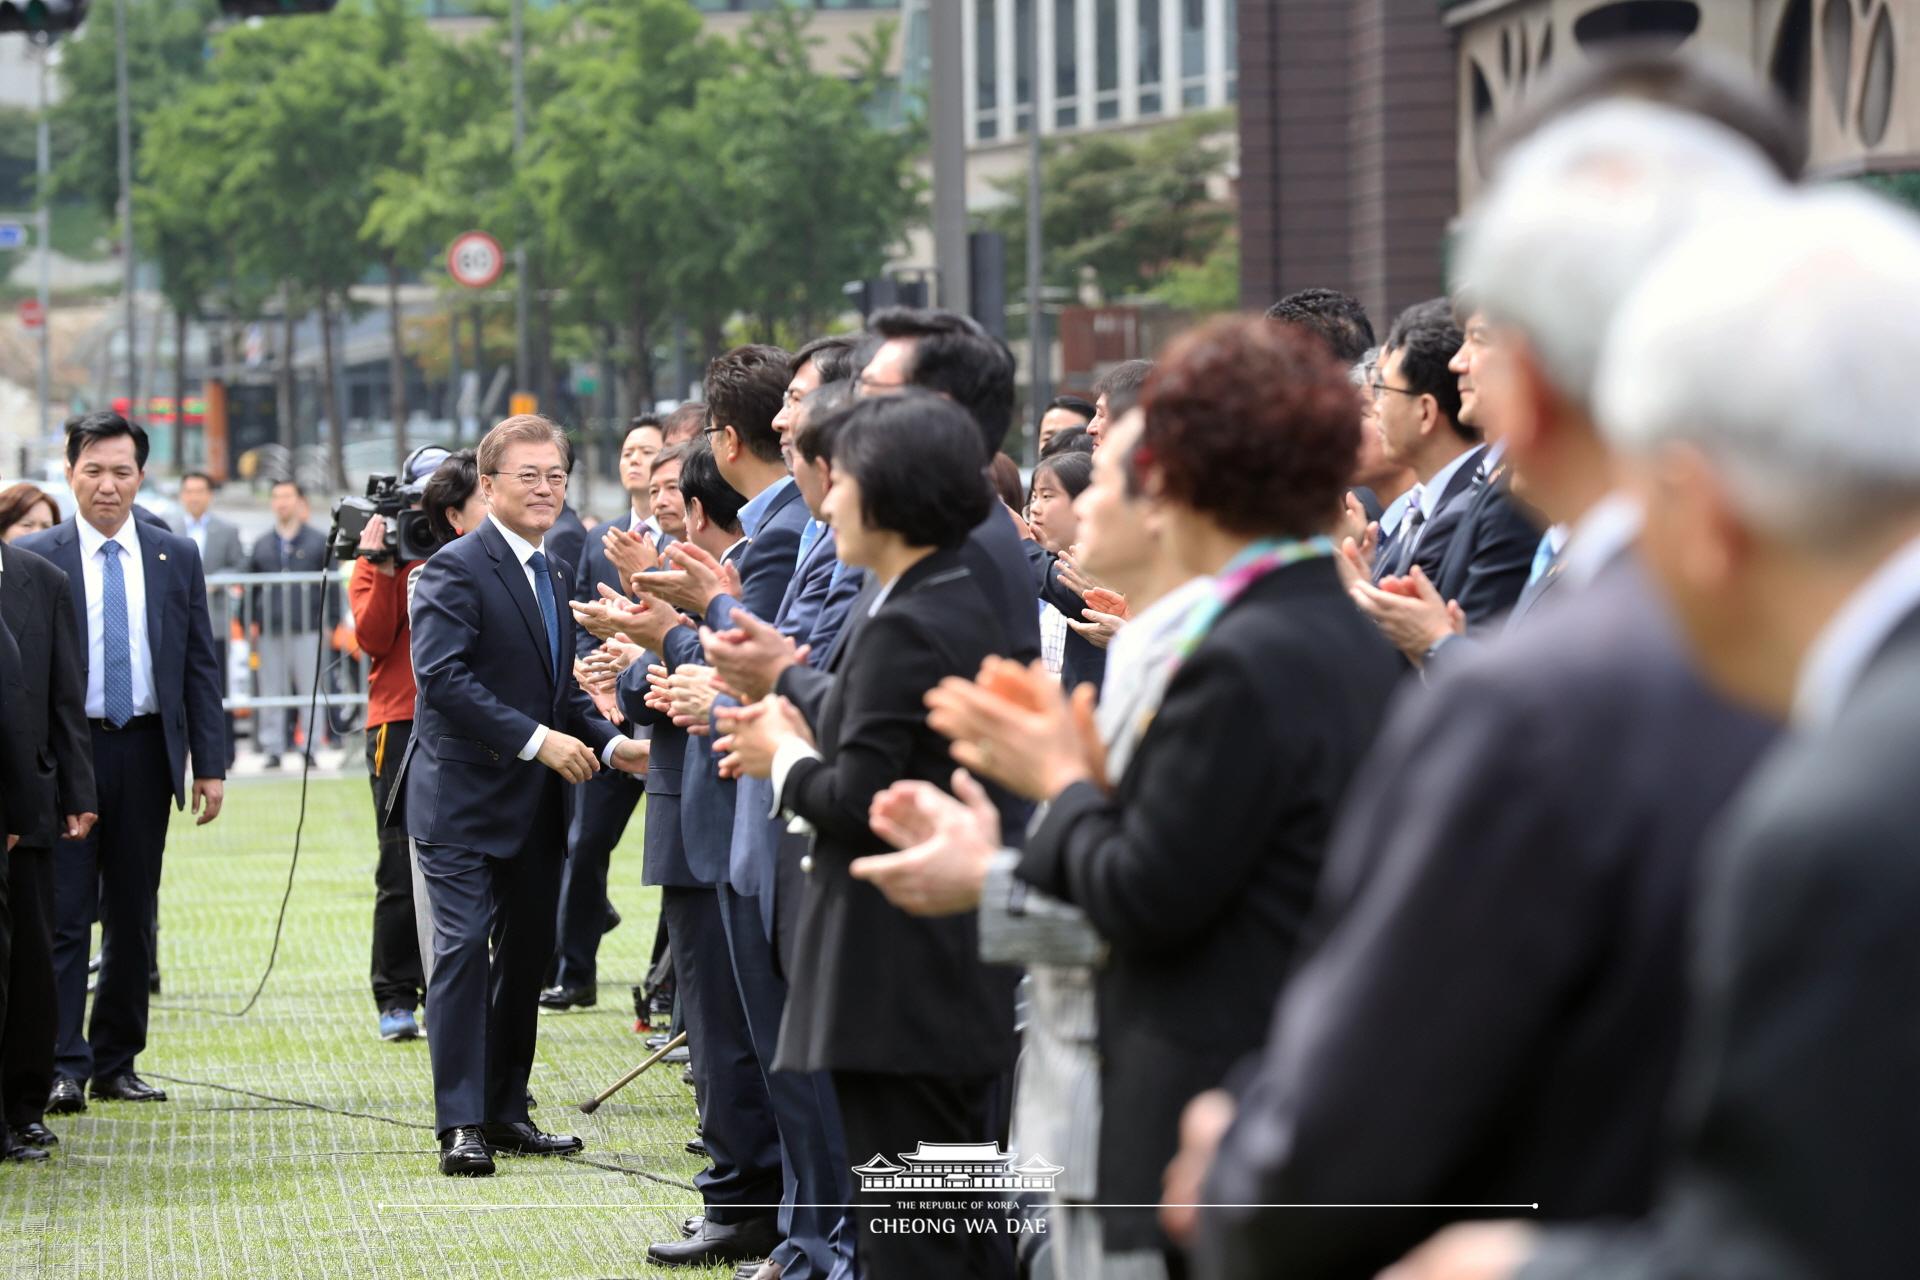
(296, 1143)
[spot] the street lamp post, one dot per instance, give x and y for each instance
(44, 234)
(521, 364)
(126, 190)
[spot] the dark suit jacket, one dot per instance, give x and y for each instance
(706, 799)
(767, 561)
(1799, 1146)
(1441, 519)
(664, 853)
(1487, 560)
(49, 722)
(187, 679)
(881, 990)
(16, 780)
(1493, 1011)
(281, 608)
(567, 540)
(590, 571)
(1200, 869)
(486, 681)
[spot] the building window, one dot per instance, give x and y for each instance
(1066, 64)
(1193, 53)
(1148, 61)
(1106, 57)
(1023, 68)
(986, 71)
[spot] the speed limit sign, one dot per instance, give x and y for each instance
(475, 259)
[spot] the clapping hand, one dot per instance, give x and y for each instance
(645, 622)
(690, 695)
(751, 655)
(1409, 612)
(1072, 576)
(630, 551)
(754, 734)
(946, 844)
(1469, 1251)
(695, 585)
(1014, 726)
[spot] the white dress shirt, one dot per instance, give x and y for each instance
(1435, 490)
(133, 573)
(523, 551)
(197, 530)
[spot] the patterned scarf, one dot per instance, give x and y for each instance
(1238, 576)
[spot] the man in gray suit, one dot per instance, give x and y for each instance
(1783, 522)
(220, 552)
(1493, 1011)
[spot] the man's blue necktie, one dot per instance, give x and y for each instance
(115, 646)
(1543, 558)
(549, 612)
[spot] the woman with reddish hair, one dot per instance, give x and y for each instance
(25, 509)
(1198, 864)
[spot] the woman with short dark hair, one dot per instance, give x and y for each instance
(913, 1027)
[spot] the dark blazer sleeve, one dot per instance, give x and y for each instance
(806, 687)
(884, 709)
(67, 721)
(631, 692)
(14, 781)
(764, 576)
(446, 630)
(586, 591)
(844, 589)
(1502, 557)
(682, 645)
(206, 718)
(1136, 869)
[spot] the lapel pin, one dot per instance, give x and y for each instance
(163, 555)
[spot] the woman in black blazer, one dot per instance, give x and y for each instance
(914, 1028)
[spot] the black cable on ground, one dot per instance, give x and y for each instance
(304, 1105)
(300, 824)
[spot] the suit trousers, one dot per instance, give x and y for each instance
(602, 808)
(398, 980)
(890, 1115)
(813, 1155)
(112, 875)
(743, 1181)
(26, 1038)
(492, 935)
(289, 664)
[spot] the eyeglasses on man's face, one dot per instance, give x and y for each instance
(1380, 388)
(528, 478)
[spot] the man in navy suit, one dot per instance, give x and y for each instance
(1419, 404)
(606, 803)
(153, 700)
(499, 728)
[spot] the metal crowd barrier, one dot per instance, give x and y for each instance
(257, 647)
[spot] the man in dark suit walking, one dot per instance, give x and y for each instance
(499, 729)
(16, 785)
(152, 702)
(47, 724)
(288, 620)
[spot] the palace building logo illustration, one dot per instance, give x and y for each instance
(957, 1166)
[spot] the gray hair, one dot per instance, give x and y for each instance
(1579, 211)
(1783, 343)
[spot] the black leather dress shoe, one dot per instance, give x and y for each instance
(714, 1244)
(464, 1153)
(523, 1138)
(21, 1153)
(66, 1097)
(764, 1270)
(127, 1087)
(37, 1135)
(691, 1226)
(697, 1147)
(569, 998)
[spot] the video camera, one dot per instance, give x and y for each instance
(409, 535)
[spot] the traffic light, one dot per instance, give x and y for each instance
(273, 8)
(35, 16)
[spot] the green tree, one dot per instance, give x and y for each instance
(601, 177)
(166, 52)
(1130, 210)
(789, 178)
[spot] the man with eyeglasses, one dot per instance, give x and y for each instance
(493, 660)
(1419, 404)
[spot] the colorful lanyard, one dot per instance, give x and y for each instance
(1240, 573)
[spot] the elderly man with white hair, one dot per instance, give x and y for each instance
(1761, 383)
(1493, 1012)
